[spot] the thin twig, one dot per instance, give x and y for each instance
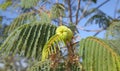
(57, 21)
(84, 11)
(70, 11)
(43, 4)
(83, 14)
(77, 13)
(75, 43)
(102, 3)
(60, 19)
(97, 31)
(83, 29)
(73, 2)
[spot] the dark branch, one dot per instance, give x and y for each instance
(102, 3)
(94, 9)
(83, 29)
(77, 13)
(70, 11)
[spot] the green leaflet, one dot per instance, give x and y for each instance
(63, 35)
(114, 29)
(100, 19)
(44, 18)
(6, 4)
(29, 3)
(57, 10)
(28, 40)
(113, 35)
(26, 18)
(52, 46)
(98, 55)
(22, 19)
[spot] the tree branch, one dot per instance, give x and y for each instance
(83, 14)
(97, 31)
(102, 3)
(83, 29)
(70, 11)
(77, 13)
(84, 11)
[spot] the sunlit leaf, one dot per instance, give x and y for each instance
(97, 55)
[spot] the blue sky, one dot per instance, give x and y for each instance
(108, 8)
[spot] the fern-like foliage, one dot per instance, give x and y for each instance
(45, 18)
(27, 18)
(52, 46)
(113, 35)
(57, 10)
(115, 44)
(63, 35)
(114, 29)
(28, 40)
(29, 3)
(22, 19)
(99, 18)
(98, 55)
(6, 4)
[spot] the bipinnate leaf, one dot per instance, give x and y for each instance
(97, 55)
(28, 40)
